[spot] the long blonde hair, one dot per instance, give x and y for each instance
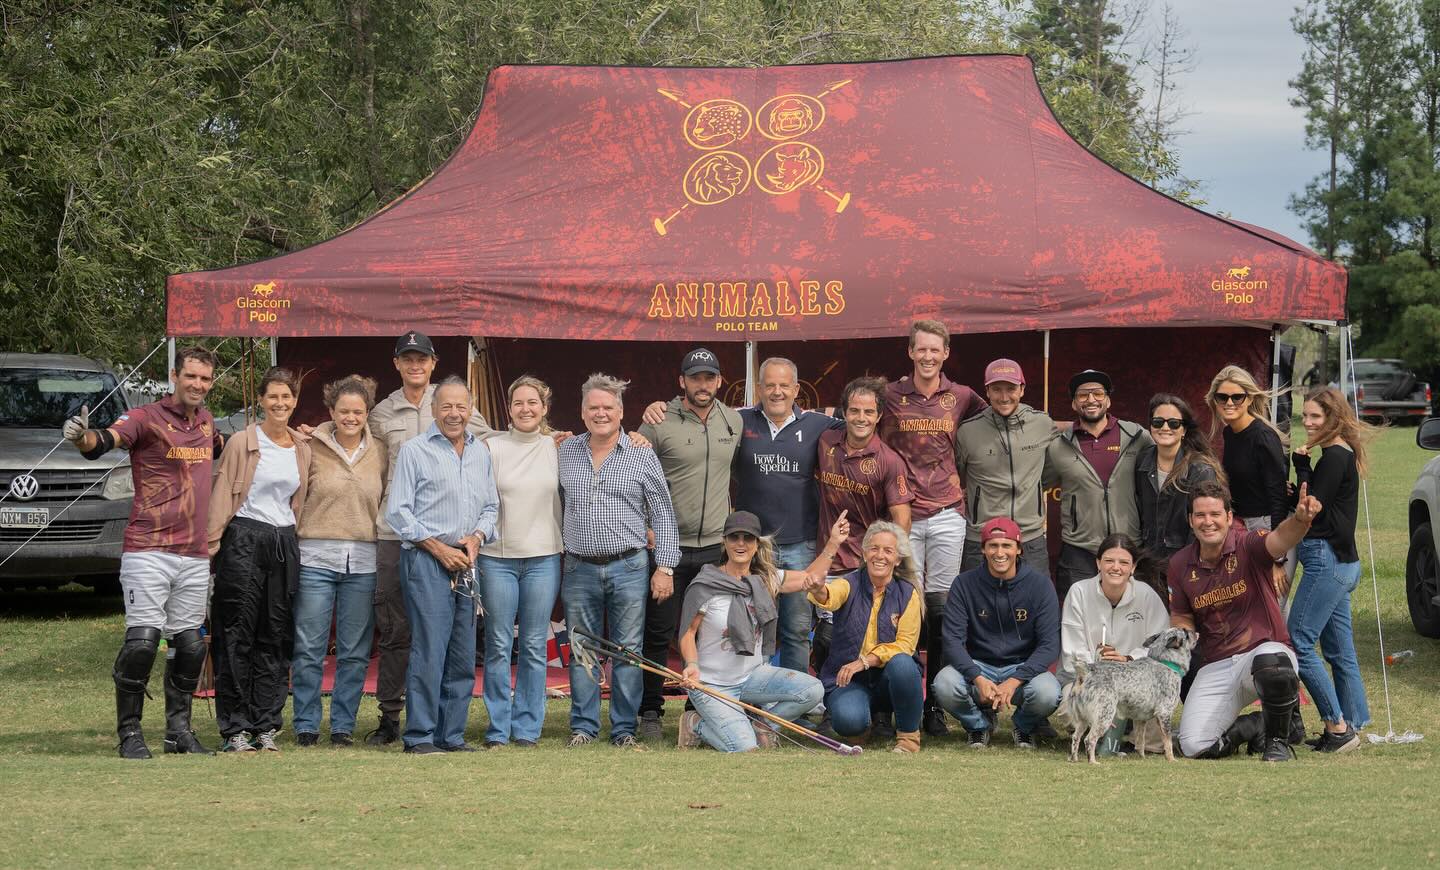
(1258, 405)
(1341, 424)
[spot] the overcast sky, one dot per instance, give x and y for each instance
(1246, 143)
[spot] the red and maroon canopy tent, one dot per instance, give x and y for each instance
(781, 205)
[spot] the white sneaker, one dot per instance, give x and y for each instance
(266, 740)
(238, 743)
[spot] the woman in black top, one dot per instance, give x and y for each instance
(1166, 471)
(1321, 609)
(1254, 457)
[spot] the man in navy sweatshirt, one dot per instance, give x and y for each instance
(1002, 633)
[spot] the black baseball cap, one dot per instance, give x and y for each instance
(700, 360)
(1091, 376)
(413, 340)
(742, 521)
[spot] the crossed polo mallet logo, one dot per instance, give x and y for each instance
(720, 174)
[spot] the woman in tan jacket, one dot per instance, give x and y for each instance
(255, 503)
(337, 561)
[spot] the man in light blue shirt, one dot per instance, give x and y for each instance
(444, 506)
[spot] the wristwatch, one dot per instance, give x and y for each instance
(668, 571)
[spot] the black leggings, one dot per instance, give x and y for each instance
(252, 630)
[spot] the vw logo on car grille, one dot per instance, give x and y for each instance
(24, 487)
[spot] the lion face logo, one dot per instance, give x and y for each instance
(716, 177)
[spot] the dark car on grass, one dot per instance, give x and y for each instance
(62, 516)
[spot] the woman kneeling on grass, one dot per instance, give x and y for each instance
(871, 667)
(729, 614)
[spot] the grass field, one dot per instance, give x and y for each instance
(69, 801)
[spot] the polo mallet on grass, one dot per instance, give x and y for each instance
(584, 644)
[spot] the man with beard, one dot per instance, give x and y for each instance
(165, 568)
(695, 442)
(1000, 455)
(1094, 464)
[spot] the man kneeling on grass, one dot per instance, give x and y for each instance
(1223, 583)
(1002, 633)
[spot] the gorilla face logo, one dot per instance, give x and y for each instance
(791, 117)
(716, 177)
(716, 124)
(790, 167)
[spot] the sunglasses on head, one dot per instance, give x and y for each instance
(1231, 398)
(1166, 423)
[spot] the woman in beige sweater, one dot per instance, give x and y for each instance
(520, 570)
(337, 561)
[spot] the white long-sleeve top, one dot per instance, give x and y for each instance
(1089, 619)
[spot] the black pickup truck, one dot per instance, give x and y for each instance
(1386, 390)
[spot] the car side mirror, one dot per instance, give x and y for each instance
(1428, 435)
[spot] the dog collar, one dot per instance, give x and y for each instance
(1174, 667)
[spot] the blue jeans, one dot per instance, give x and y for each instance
(349, 597)
(441, 676)
(780, 691)
(1321, 611)
(897, 687)
(597, 595)
(794, 607)
(508, 587)
(1036, 698)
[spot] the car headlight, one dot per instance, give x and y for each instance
(119, 484)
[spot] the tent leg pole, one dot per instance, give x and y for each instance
(170, 351)
(1345, 363)
(274, 352)
(1045, 395)
(750, 353)
(1275, 374)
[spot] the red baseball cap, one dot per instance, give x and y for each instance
(999, 527)
(1006, 370)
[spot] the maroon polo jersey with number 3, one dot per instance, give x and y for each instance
(864, 482)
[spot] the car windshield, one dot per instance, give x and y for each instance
(45, 398)
(1377, 370)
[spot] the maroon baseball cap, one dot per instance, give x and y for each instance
(1007, 370)
(999, 527)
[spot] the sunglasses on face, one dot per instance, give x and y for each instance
(1090, 394)
(1166, 423)
(1231, 398)
(740, 536)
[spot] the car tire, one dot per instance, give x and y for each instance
(1422, 582)
(102, 584)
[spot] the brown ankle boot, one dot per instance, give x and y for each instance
(907, 741)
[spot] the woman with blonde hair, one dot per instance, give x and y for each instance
(520, 569)
(337, 561)
(1254, 455)
(728, 618)
(871, 668)
(1321, 609)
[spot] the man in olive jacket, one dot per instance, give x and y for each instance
(1000, 455)
(695, 442)
(1094, 464)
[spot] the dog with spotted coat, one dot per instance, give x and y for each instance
(1141, 690)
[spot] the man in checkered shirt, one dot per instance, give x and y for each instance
(612, 491)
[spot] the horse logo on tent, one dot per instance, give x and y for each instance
(263, 290)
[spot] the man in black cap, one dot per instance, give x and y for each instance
(1094, 464)
(695, 441)
(396, 419)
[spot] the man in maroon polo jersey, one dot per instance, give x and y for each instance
(858, 473)
(164, 568)
(1223, 585)
(922, 411)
